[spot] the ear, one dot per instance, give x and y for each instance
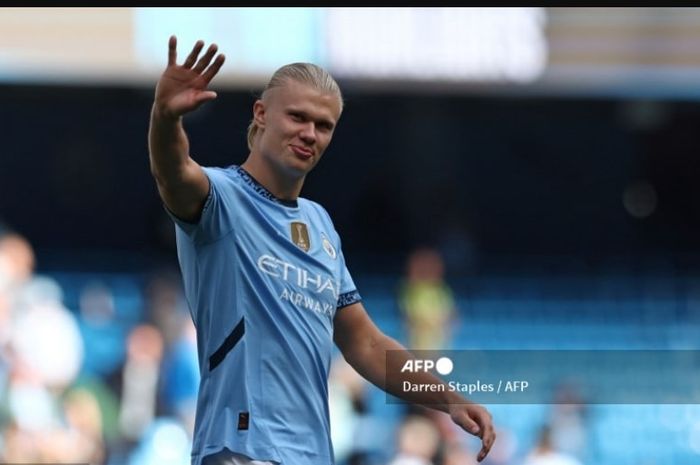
(259, 113)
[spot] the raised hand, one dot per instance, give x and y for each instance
(183, 88)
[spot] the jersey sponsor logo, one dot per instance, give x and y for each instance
(328, 247)
(307, 302)
(300, 276)
(300, 235)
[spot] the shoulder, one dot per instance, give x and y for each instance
(316, 208)
(321, 218)
(319, 215)
(226, 180)
(217, 173)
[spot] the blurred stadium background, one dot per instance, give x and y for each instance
(535, 170)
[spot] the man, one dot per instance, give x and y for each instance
(265, 276)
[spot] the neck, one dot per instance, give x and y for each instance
(280, 184)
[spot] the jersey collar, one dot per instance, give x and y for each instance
(262, 190)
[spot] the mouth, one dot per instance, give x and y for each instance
(302, 152)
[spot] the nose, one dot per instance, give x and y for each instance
(308, 133)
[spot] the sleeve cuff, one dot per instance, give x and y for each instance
(348, 298)
(186, 226)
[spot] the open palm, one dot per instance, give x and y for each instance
(183, 88)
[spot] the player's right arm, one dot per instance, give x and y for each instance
(182, 184)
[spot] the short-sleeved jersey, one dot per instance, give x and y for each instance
(263, 279)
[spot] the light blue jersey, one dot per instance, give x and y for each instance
(263, 279)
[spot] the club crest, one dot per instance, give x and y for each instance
(328, 247)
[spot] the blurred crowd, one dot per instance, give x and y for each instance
(91, 385)
(83, 385)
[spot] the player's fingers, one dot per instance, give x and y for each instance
(206, 58)
(470, 425)
(214, 68)
(172, 50)
(192, 57)
(205, 97)
(201, 98)
(482, 417)
(489, 437)
(468, 421)
(482, 453)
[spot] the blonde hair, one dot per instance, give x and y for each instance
(303, 73)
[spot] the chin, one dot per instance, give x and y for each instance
(298, 169)
(301, 166)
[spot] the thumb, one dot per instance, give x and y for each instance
(469, 425)
(205, 96)
(472, 427)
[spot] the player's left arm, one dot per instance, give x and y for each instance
(365, 347)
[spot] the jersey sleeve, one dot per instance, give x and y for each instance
(348, 293)
(215, 221)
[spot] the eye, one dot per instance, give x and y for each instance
(296, 116)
